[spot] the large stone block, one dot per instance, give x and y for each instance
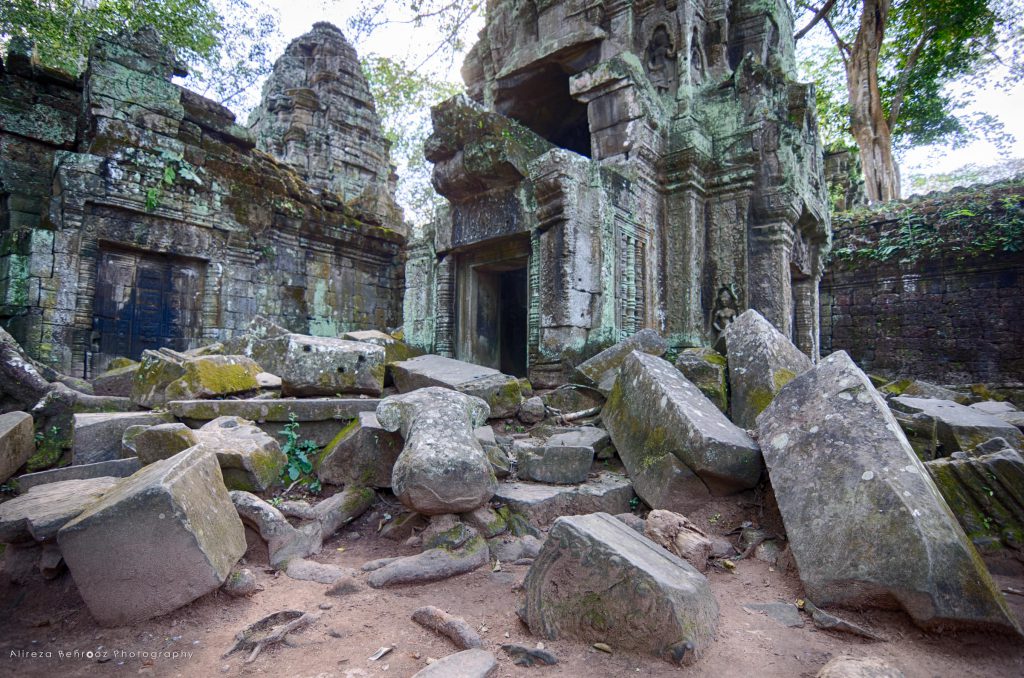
(545, 463)
(250, 460)
(666, 432)
(596, 579)
(601, 370)
(501, 392)
(161, 539)
(118, 468)
(865, 522)
(364, 453)
(706, 369)
(42, 511)
(97, 436)
(957, 427)
(153, 443)
(117, 381)
(607, 493)
(323, 366)
(214, 376)
(157, 370)
(17, 442)
(443, 467)
(761, 361)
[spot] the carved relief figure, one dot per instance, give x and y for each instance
(660, 59)
(725, 309)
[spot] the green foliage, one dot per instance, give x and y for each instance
(403, 96)
(962, 226)
(223, 42)
(448, 20)
(299, 468)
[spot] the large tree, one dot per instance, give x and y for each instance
(901, 59)
(224, 42)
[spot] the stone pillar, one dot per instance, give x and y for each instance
(770, 282)
(445, 343)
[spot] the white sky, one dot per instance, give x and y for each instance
(1007, 104)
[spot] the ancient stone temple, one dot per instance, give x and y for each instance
(618, 166)
(135, 213)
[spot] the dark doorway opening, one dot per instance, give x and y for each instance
(512, 320)
(144, 300)
(539, 99)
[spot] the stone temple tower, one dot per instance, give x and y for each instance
(618, 165)
(317, 115)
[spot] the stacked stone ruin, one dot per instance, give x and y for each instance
(615, 167)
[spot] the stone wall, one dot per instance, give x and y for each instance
(932, 289)
(135, 213)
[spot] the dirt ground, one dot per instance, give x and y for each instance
(50, 617)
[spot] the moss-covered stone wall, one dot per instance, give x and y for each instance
(124, 164)
(931, 288)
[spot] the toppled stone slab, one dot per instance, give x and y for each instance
(157, 370)
(394, 349)
(363, 453)
(761, 361)
(39, 513)
(986, 494)
(915, 388)
(496, 455)
(214, 376)
(560, 464)
(706, 369)
(249, 459)
(660, 422)
(117, 468)
(97, 436)
(280, 410)
(601, 370)
(607, 492)
(531, 410)
(442, 468)
(17, 442)
(153, 443)
(958, 427)
(597, 580)
(995, 407)
(324, 366)
(786, 614)
(473, 663)
(865, 523)
(501, 392)
(431, 565)
(159, 540)
(570, 398)
(117, 381)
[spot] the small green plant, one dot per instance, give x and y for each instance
(299, 468)
(715, 518)
(634, 503)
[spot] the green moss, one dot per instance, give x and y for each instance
(335, 441)
(715, 359)
(781, 377)
(357, 499)
(759, 399)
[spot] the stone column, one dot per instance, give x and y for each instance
(770, 282)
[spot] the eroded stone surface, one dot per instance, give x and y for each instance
(17, 442)
(249, 459)
(865, 522)
(674, 442)
(473, 663)
(97, 436)
(118, 468)
(761, 361)
(42, 511)
(707, 370)
(153, 443)
(501, 392)
(607, 492)
(597, 580)
(364, 453)
(601, 370)
(159, 540)
(958, 427)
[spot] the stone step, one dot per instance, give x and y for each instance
(541, 503)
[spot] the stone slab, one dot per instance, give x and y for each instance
(17, 442)
(97, 436)
(501, 392)
(116, 468)
(541, 504)
(958, 427)
(601, 370)
(473, 663)
(42, 511)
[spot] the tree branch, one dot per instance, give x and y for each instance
(818, 16)
(844, 49)
(904, 79)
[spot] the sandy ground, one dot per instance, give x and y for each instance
(49, 617)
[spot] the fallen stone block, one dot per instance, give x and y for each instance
(249, 459)
(559, 464)
(986, 494)
(664, 429)
(431, 565)
(706, 369)
(601, 370)
(240, 584)
(540, 504)
(394, 349)
(17, 442)
(761, 361)
(866, 524)
(474, 663)
(995, 407)
(155, 373)
(858, 667)
(915, 388)
(116, 381)
(486, 521)
(363, 453)
(958, 427)
(214, 376)
(97, 436)
(153, 443)
(570, 398)
(442, 468)
(597, 580)
(531, 410)
(162, 538)
(38, 514)
(496, 455)
(118, 468)
(501, 392)
(324, 366)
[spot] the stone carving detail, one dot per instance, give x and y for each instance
(660, 159)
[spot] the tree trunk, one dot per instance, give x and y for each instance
(867, 119)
